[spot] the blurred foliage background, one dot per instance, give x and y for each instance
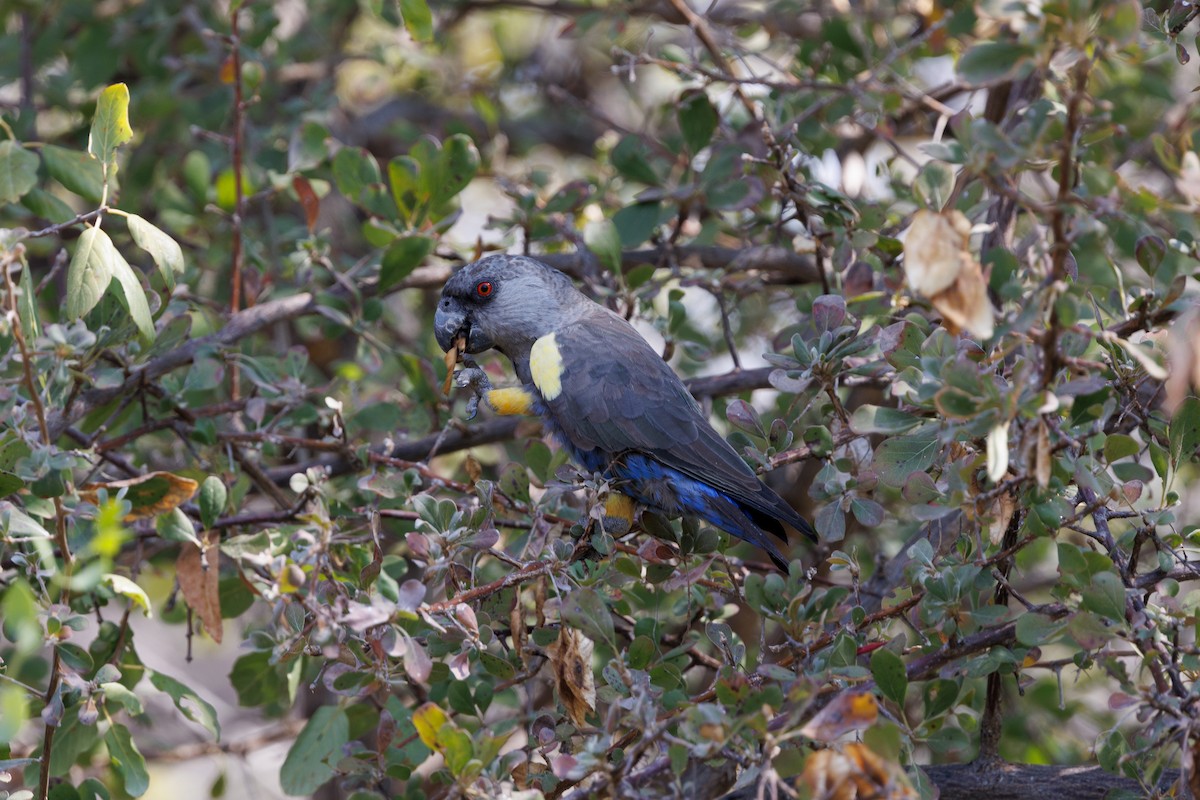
(927, 264)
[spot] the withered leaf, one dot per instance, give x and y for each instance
(965, 305)
(571, 661)
(151, 494)
(1041, 469)
(452, 357)
(939, 265)
(198, 581)
(934, 250)
(851, 711)
(854, 771)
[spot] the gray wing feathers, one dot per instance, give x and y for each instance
(619, 395)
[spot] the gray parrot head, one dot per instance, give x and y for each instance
(505, 302)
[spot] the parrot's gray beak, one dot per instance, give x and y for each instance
(452, 322)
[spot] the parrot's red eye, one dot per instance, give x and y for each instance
(484, 289)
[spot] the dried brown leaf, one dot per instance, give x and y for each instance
(198, 581)
(150, 495)
(571, 661)
(1183, 360)
(852, 711)
(452, 357)
(935, 250)
(1001, 515)
(1041, 465)
(965, 304)
(854, 773)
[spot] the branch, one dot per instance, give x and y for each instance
(503, 429)
(1021, 782)
(784, 264)
(240, 325)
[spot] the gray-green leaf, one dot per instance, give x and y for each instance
(18, 171)
(127, 760)
(162, 248)
(90, 271)
(308, 764)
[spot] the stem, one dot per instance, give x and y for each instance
(235, 302)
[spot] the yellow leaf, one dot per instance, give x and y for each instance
(110, 126)
(428, 720)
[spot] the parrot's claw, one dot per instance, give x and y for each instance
(474, 378)
(477, 380)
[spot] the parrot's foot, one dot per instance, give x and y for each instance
(618, 514)
(477, 380)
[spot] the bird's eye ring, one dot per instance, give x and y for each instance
(484, 289)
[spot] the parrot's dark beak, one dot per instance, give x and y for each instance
(452, 322)
(449, 323)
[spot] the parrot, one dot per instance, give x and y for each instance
(607, 397)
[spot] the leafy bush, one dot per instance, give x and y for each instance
(956, 234)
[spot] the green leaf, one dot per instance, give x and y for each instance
(888, 670)
(881, 419)
(1150, 252)
(956, 403)
(18, 171)
(456, 746)
(497, 666)
(117, 693)
(110, 126)
(130, 590)
(132, 295)
(165, 251)
(641, 651)
(1035, 630)
(176, 526)
(90, 271)
(47, 206)
(256, 680)
(1106, 596)
(460, 162)
(128, 761)
(354, 170)
(18, 525)
(630, 159)
(77, 171)
(899, 457)
(418, 19)
(14, 710)
(1184, 433)
(1118, 446)
(586, 610)
(697, 120)
(212, 500)
(313, 756)
(603, 240)
(635, 223)
(190, 704)
(404, 177)
(401, 258)
(987, 62)
(27, 308)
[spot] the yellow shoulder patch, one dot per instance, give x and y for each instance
(545, 363)
(514, 400)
